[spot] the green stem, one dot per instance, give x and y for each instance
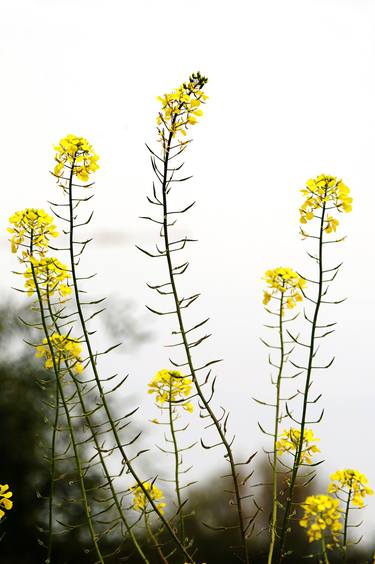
(52, 486)
(97, 378)
(324, 551)
(229, 454)
(177, 466)
(68, 418)
(276, 434)
(346, 520)
(154, 539)
(99, 449)
(297, 458)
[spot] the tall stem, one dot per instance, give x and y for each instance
(309, 369)
(276, 434)
(52, 485)
(205, 403)
(176, 466)
(86, 506)
(346, 520)
(96, 374)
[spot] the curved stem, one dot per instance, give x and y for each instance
(216, 423)
(276, 434)
(177, 466)
(98, 448)
(346, 520)
(52, 486)
(309, 369)
(97, 378)
(86, 506)
(154, 539)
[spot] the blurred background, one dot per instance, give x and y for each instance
(291, 87)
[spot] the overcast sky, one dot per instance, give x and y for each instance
(292, 90)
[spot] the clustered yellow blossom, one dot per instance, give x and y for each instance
(289, 442)
(329, 191)
(353, 482)
(171, 386)
(32, 225)
(5, 502)
(284, 282)
(321, 516)
(65, 349)
(77, 155)
(180, 108)
(51, 275)
(140, 500)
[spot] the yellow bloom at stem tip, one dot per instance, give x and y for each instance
(65, 349)
(289, 442)
(31, 226)
(76, 155)
(328, 192)
(171, 386)
(5, 502)
(181, 107)
(51, 275)
(352, 483)
(321, 516)
(284, 283)
(140, 500)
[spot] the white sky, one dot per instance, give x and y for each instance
(292, 92)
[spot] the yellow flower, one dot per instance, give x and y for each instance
(180, 108)
(52, 277)
(353, 482)
(77, 155)
(289, 443)
(170, 385)
(140, 500)
(284, 282)
(5, 502)
(64, 349)
(34, 226)
(325, 190)
(321, 517)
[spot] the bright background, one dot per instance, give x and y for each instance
(292, 91)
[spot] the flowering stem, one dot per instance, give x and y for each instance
(276, 434)
(98, 448)
(154, 539)
(96, 374)
(346, 520)
(52, 486)
(324, 550)
(216, 423)
(309, 369)
(68, 417)
(177, 466)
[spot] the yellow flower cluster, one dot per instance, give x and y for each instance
(77, 154)
(171, 386)
(284, 281)
(321, 516)
(180, 108)
(351, 481)
(33, 225)
(64, 349)
(52, 277)
(289, 442)
(140, 500)
(326, 190)
(5, 502)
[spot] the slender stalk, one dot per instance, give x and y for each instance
(200, 394)
(99, 450)
(346, 520)
(68, 418)
(177, 466)
(297, 458)
(324, 551)
(96, 374)
(52, 486)
(154, 539)
(276, 434)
